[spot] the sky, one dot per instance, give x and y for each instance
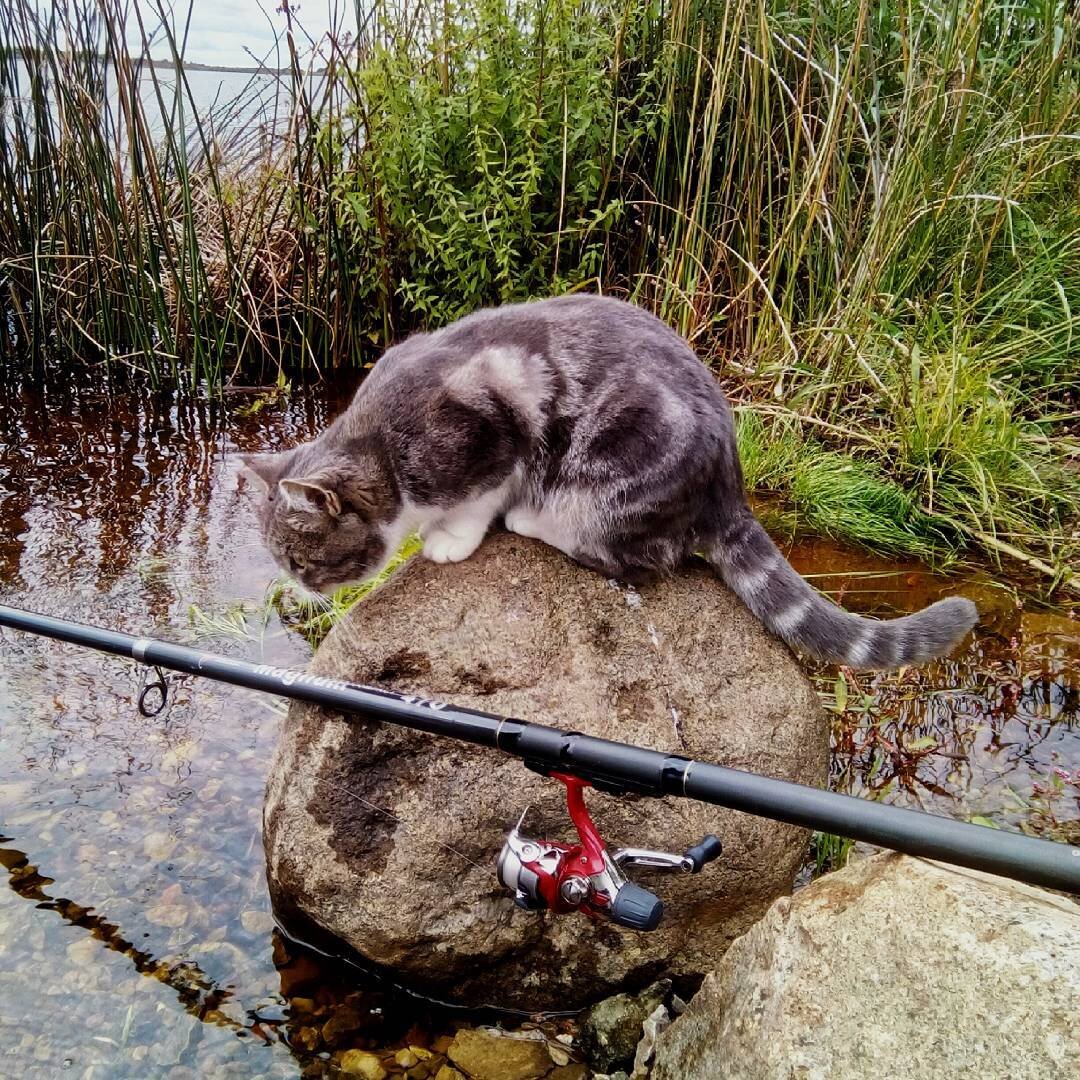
(223, 31)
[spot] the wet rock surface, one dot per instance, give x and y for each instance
(891, 966)
(387, 838)
(488, 1056)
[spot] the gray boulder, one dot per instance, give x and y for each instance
(387, 838)
(891, 967)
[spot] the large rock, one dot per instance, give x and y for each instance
(892, 967)
(388, 838)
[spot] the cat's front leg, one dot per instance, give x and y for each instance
(457, 532)
(454, 540)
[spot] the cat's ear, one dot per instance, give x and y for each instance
(313, 494)
(262, 469)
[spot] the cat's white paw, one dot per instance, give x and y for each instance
(522, 521)
(441, 546)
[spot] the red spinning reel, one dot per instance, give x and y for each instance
(547, 875)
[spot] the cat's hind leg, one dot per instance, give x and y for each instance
(524, 521)
(542, 525)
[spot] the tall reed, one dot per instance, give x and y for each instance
(865, 215)
(141, 228)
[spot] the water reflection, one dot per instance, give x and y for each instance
(975, 735)
(121, 507)
(198, 994)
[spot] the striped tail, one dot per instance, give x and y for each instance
(755, 570)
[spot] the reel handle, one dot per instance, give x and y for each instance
(707, 849)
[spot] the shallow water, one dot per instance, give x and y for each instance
(135, 936)
(992, 732)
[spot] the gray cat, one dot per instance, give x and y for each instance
(582, 421)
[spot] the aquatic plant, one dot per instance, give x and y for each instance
(830, 852)
(313, 617)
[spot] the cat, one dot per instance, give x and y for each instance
(582, 421)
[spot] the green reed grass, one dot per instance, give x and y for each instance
(866, 216)
(313, 618)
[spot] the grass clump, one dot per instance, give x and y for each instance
(963, 444)
(835, 493)
(829, 852)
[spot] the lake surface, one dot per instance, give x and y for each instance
(230, 105)
(135, 930)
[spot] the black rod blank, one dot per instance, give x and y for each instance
(612, 766)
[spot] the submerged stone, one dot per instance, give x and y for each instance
(362, 1064)
(387, 838)
(487, 1055)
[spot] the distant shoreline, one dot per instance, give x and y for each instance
(191, 65)
(194, 65)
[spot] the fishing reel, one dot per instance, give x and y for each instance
(585, 877)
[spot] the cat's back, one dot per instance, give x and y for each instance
(582, 320)
(587, 344)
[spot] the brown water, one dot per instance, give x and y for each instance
(135, 936)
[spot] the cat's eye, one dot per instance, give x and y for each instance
(296, 566)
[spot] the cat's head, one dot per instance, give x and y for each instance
(325, 518)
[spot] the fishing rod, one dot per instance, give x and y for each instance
(585, 876)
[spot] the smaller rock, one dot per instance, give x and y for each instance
(558, 1054)
(170, 909)
(344, 1021)
(568, 1072)
(361, 1063)
(158, 846)
(406, 1058)
(485, 1055)
(611, 1029)
(448, 1072)
(271, 1012)
(307, 1038)
(659, 1020)
(85, 950)
(257, 922)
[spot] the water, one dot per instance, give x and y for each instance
(135, 934)
(991, 733)
(124, 510)
(233, 106)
